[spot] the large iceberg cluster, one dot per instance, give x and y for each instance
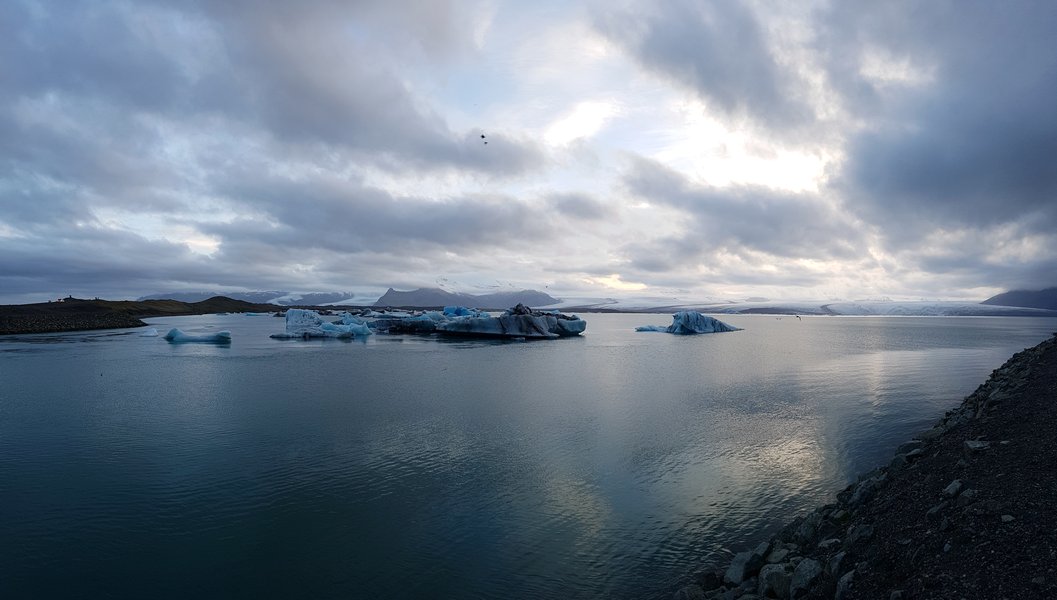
(690, 322)
(305, 324)
(177, 336)
(517, 322)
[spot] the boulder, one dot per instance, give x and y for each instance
(805, 575)
(774, 581)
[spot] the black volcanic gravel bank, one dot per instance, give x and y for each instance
(967, 510)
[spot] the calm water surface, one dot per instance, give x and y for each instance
(610, 465)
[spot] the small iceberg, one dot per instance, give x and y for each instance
(152, 332)
(517, 322)
(220, 337)
(306, 324)
(691, 322)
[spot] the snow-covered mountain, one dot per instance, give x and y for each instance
(424, 297)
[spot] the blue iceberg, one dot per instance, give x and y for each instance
(691, 322)
(306, 324)
(177, 336)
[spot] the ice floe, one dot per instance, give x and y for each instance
(220, 337)
(690, 322)
(152, 332)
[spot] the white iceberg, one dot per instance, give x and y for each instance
(691, 322)
(518, 322)
(305, 324)
(152, 332)
(220, 337)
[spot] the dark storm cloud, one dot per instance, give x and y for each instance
(972, 144)
(718, 49)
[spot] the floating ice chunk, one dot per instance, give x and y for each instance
(690, 322)
(518, 322)
(220, 337)
(462, 311)
(152, 332)
(659, 329)
(303, 323)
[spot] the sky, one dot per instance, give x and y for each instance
(682, 149)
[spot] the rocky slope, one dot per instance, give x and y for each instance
(968, 510)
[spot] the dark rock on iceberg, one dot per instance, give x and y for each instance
(517, 322)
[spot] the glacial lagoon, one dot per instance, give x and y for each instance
(609, 465)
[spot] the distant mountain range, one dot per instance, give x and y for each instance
(420, 298)
(1046, 298)
(266, 297)
(424, 297)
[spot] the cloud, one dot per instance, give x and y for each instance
(780, 223)
(327, 144)
(300, 75)
(717, 49)
(969, 145)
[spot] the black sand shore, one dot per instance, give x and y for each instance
(967, 510)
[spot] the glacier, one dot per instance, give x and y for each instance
(177, 336)
(304, 324)
(690, 322)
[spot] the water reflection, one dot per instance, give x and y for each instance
(609, 465)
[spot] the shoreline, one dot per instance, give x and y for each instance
(965, 510)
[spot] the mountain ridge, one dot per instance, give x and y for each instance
(1045, 298)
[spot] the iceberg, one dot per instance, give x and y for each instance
(220, 337)
(690, 322)
(152, 332)
(423, 322)
(462, 311)
(517, 322)
(305, 324)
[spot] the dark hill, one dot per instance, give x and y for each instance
(1046, 298)
(434, 297)
(73, 314)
